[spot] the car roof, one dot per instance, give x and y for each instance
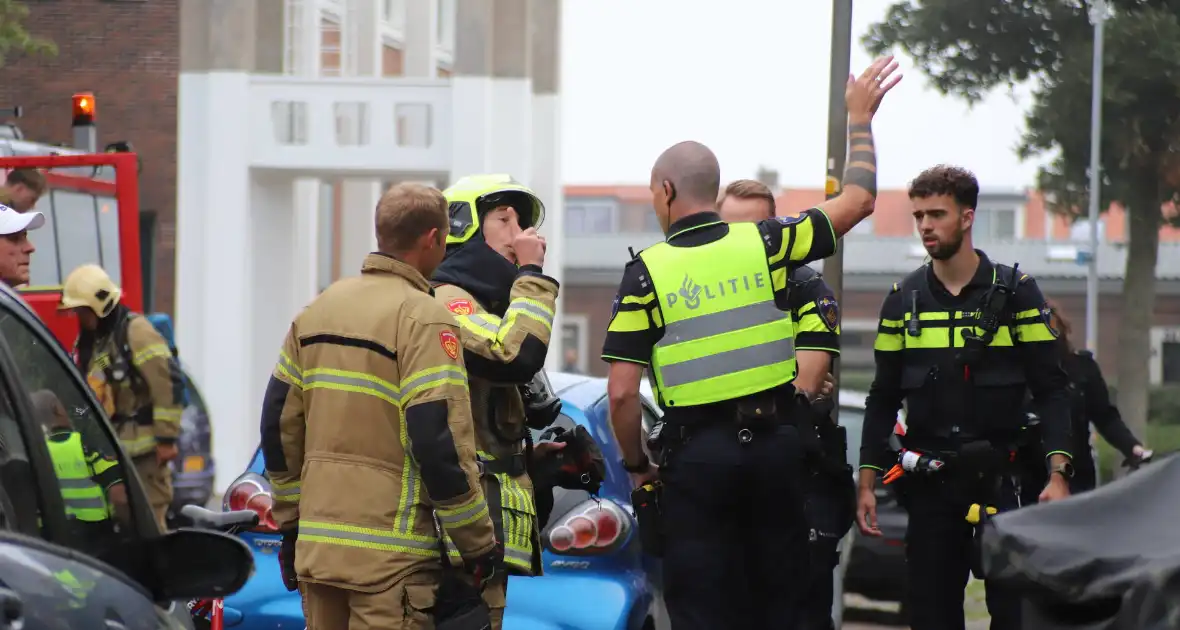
(583, 390)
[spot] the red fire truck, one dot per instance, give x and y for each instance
(91, 213)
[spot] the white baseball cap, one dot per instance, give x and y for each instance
(13, 222)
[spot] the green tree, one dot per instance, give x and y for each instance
(14, 39)
(969, 48)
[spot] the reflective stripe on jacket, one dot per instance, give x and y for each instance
(503, 352)
(724, 337)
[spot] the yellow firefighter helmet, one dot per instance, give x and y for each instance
(473, 196)
(89, 285)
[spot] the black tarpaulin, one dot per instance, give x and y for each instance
(1104, 560)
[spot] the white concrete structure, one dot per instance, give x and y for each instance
(282, 100)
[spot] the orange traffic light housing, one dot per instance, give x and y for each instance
(84, 109)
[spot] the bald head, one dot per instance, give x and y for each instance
(692, 170)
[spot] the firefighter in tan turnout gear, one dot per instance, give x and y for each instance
(131, 370)
(492, 281)
(367, 436)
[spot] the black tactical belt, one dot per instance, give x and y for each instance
(513, 466)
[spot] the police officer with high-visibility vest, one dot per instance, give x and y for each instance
(706, 314)
(961, 340)
(91, 483)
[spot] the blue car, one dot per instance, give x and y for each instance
(596, 574)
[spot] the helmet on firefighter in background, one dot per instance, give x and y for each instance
(474, 196)
(90, 286)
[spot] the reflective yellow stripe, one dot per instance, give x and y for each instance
(642, 300)
(154, 351)
(287, 370)
(629, 321)
(140, 446)
(936, 331)
(433, 377)
(889, 332)
(288, 492)
(166, 414)
(470, 512)
(367, 538)
(778, 278)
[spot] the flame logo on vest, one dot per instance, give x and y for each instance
(691, 292)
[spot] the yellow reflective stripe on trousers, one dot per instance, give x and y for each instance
(288, 492)
(154, 351)
(367, 538)
(519, 518)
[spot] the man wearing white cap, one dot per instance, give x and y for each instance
(16, 249)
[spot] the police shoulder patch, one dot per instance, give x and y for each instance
(450, 343)
(614, 307)
(829, 312)
(1047, 317)
(460, 306)
(789, 220)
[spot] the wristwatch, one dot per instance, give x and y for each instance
(1065, 470)
(642, 466)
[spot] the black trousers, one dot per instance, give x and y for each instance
(736, 551)
(939, 552)
(817, 604)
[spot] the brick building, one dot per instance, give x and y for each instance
(128, 55)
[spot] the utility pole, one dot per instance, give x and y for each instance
(838, 143)
(1098, 18)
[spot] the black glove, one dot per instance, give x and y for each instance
(485, 567)
(287, 559)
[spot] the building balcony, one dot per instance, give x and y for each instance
(350, 126)
(600, 258)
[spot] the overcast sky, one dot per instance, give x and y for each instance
(749, 79)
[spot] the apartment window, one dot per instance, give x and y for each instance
(590, 217)
(995, 223)
(293, 55)
(331, 50)
(575, 342)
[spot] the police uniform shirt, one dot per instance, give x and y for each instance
(636, 324)
(1034, 341)
(814, 310)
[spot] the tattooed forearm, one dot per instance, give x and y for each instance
(862, 159)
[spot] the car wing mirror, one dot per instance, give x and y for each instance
(191, 564)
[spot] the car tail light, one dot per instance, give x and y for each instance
(252, 492)
(593, 527)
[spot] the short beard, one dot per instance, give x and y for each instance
(944, 251)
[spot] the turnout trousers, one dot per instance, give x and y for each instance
(735, 532)
(939, 551)
(157, 484)
(407, 605)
